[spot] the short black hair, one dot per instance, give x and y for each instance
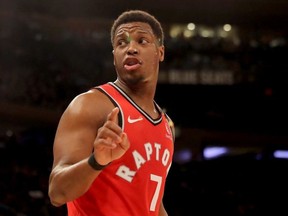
(139, 16)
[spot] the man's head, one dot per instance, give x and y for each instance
(139, 16)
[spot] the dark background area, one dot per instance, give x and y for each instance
(52, 51)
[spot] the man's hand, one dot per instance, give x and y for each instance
(111, 142)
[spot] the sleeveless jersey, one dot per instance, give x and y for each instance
(132, 185)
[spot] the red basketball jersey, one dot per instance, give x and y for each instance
(134, 184)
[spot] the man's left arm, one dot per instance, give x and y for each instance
(162, 211)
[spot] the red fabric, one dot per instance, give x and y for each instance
(144, 167)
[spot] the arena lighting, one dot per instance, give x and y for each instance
(227, 27)
(281, 154)
(188, 33)
(191, 26)
(214, 152)
(183, 156)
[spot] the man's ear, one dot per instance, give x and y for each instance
(161, 53)
(113, 57)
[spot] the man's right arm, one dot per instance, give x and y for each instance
(89, 125)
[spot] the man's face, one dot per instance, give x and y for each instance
(136, 52)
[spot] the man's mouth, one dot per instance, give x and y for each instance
(132, 64)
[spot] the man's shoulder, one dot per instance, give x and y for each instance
(91, 104)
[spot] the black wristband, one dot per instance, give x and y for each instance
(93, 163)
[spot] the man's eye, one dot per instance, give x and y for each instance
(121, 42)
(143, 41)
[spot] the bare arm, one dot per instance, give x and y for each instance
(81, 130)
(162, 211)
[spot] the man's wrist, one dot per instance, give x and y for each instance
(94, 164)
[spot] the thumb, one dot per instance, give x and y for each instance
(125, 144)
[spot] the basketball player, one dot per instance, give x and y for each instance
(114, 145)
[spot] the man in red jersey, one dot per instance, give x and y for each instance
(114, 145)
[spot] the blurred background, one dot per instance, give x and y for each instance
(224, 82)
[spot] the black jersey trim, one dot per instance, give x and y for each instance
(120, 114)
(123, 93)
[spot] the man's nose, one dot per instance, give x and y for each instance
(132, 49)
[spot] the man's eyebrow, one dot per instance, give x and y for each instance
(127, 35)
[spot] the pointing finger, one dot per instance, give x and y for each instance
(113, 115)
